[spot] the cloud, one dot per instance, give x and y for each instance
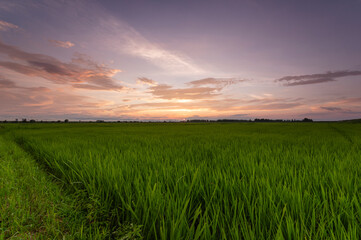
(237, 116)
(41, 102)
(62, 44)
(9, 5)
(316, 78)
(125, 39)
(273, 106)
(90, 87)
(217, 105)
(81, 72)
(147, 81)
(233, 117)
(165, 91)
(6, 26)
(356, 100)
(216, 81)
(139, 46)
(340, 110)
(7, 84)
(111, 32)
(332, 109)
(207, 88)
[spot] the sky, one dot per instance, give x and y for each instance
(176, 60)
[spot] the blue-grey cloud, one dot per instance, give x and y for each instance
(332, 109)
(340, 110)
(316, 78)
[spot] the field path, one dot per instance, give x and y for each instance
(32, 205)
(29, 201)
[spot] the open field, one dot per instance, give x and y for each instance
(207, 180)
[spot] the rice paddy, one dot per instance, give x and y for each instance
(207, 180)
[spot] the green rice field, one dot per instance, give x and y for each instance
(205, 180)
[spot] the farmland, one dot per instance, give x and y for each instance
(206, 180)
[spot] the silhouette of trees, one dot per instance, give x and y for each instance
(307, 120)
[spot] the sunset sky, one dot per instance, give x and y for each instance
(176, 60)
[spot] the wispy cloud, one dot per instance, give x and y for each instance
(63, 44)
(165, 91)
(272, 106)
(332, 109)
(207, 88)
(117, 35)
(20, 101)
(8, 5)
(316, 78)
(218, 108)
(6, 26)
(125, 39)
(341, 110)
(10, 84)
(7, 84)
(233, 117)
(42, 102)
(81, 72)
(208, 98)
(216, 81)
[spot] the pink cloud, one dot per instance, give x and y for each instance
(63, 44)
(144, 80)
(39, 101)
(6, 26)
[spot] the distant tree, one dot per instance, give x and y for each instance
(32, 120)
(24, 120)
(307, 120)
(66, 120)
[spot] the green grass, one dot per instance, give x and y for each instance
(209, 181)
(34, 205)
